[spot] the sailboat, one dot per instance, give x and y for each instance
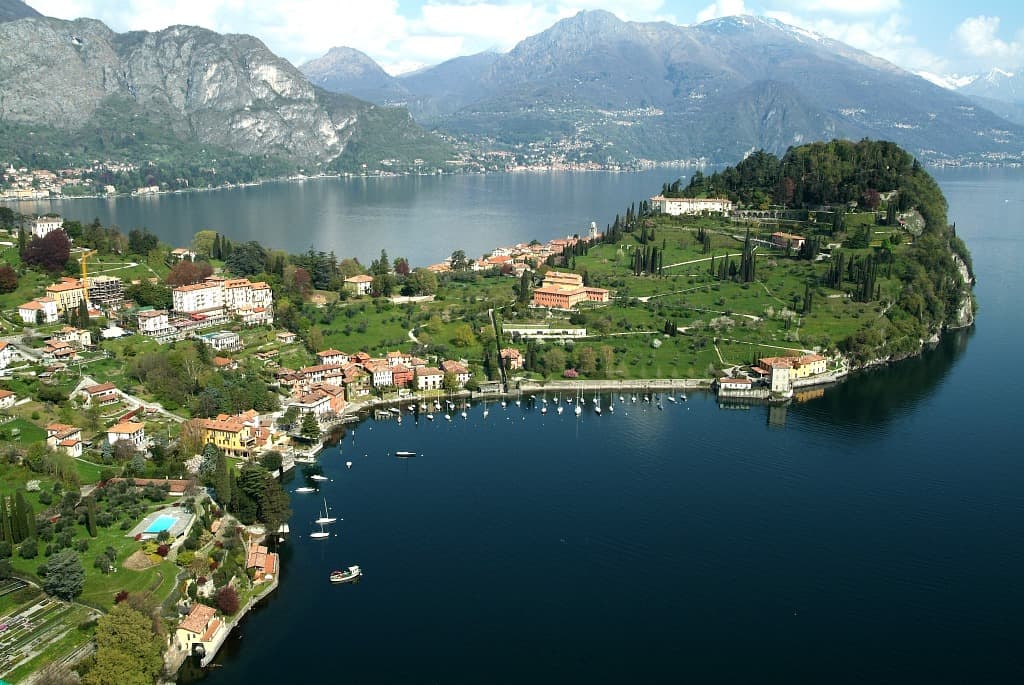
(544, 405)
(597, 403)
(321, 534)
(325, 517)
(579, 403)
(485, 409)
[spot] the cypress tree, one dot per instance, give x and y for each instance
(22, 241)
(22, 512)
(90, 517)
(7, 533)
(216, 251)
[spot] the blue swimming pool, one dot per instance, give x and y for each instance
(161, 524)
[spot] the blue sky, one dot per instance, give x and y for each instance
(918, 35)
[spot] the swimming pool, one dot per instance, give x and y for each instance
(161, 524)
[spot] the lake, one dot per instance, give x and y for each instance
(870, 535)
(424, 218)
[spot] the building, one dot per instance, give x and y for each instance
(331, 357)
(286, 337)
(67, 293)
(429, 378)
(154, 322)
(802, 366)
(222, 340)
(76, 337)
(382, 376)
(199, 630)
(728, 384)
(180, 254)
(129, 432)
(59, 352)
(41, 226)
(101, 395)
(512, 359)
(67, 439)
(7, 354)
(106, 291)
(360, 284)
(234, 435)
(564, 290)
(239, 292)
(787, 241)
(398, 358)
(677, 206)
(458, 370)
(39, 310)
(263, 563)
(199, 297)
(7, 399)
(402, 376)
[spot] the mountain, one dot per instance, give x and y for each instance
(997, 84)
(598, 88)
(11, 10)
(347, 70)
(187, 94)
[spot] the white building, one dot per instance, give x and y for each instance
(200, 297)
(152, 322)
(7, 399)
(7, 354)
(332, 356)
(690, 205)
(429, 379)
(128, 431)
(239, 292)
(43, 225)
(30, 311)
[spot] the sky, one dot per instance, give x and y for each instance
(937, 38)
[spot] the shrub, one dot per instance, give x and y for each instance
(29, 549)
(163, 550)
(227, 600)
(120, 596)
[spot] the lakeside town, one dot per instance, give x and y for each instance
(152, 395)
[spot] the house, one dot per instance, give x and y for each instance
(331, 356)
(360, 284)
(129, 432)
(41, 226)
(262, 562)
(734, 383)
(380, 372)
(458, 370)
(801, 366)
(222, 340)
(75, 337)
(254, 315)
(512, 358)
(7, 399)
(787, 241)
(59, 351)
(429, 378)
(7, 354)
(180, 254)
(66, 438)
(154, 322)
(286, 337)
(67, 293)
(357, 381)
(564, 290)
(39, 310)
(225, 363)
(200, 628)
(314, 402)
(175, 487)
(396, 358)
(402, 376)
(101, 395)
(676, 206)
(234, 435)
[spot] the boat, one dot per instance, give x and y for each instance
(447, 417)
(464, 415)
(578, 410)
(611, 407)
(544, 409)
(430, 417)
(560, 409)
(394, 410)
(670, 399)
(346, 576)
(683, 397)
(325, 517)
(319, 535)
(348, 464)
(404, 455)
(305, 488)
(318, 476)
(597, 404)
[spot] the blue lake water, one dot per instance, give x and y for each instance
(872, 535)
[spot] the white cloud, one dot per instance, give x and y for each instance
(977, 37)
(722, 8)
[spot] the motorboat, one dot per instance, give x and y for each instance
(346, 576)
(318, 476)
(430, 417)
(305, 488)
(670, 399)
(404, 455)
(348, 464)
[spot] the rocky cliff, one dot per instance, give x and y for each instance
(198, 86)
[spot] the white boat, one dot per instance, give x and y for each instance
(560, 409)
(597, 409)
(430, 416)
(348, 464)
(346, 576)
(504, 404)
(464, 415)
(485, 410)
(404, 455)
(683, 397)
(325, 517)
(611, 407)
(305, 488)
(544, 409)
(578, 410)
(621, 398)
(320, 534)
(447, 417)
(670, 399)
(394, 410)
(317, 476)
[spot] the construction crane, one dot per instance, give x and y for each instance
(85, 278)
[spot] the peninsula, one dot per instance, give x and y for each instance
(135, 372)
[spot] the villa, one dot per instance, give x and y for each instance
(128, 432)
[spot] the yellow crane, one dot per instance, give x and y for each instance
(85, 278)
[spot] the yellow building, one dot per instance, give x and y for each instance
(68, 294)
(234, 435)
(563, 290)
